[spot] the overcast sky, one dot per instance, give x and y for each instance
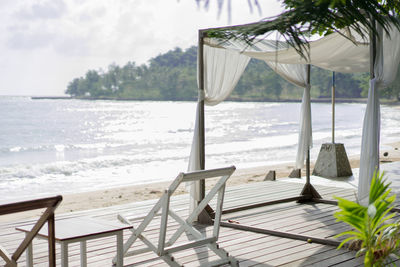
(46, 43)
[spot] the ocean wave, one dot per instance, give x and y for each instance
(85, 144)
(36, 148)
(71, 168)
(63, 147)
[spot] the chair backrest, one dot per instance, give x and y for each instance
(200, 175)
(164, 248)
(50, 203)
(218, 188)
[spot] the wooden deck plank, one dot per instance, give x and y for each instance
(343, 259)
(315, 258)
(251, 249)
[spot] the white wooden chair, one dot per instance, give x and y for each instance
(164, 249)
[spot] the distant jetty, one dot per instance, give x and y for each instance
(51, 97)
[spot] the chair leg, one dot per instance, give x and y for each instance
(170, 261)
(222, 253)
(233, 262)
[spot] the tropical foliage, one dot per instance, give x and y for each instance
(303, 18)
(172, 76)
(378, 239)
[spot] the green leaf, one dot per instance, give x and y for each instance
(353, 233)
(360, 252)
(300, 18)
(345, 241)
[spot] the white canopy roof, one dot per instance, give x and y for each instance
(334, 52)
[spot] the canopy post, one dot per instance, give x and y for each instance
(204, 217)
(308, 190)
(333, 107)
(308, 148)
(201, 103)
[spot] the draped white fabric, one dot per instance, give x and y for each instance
(194, 162)
(333, 52)
(222, 70)
(369, 157)
(385, 68)
(297, 74)
(305, 133)
(293, 73)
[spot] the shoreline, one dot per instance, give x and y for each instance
(313, 100)
(135, 193)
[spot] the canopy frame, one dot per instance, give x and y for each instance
(308, 193)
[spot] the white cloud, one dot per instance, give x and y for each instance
(50, 9)
(50, 42)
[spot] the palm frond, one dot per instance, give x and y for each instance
(302, 18)
(378, 238)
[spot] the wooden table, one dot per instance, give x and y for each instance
(80, 230)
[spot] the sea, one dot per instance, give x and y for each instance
(58, 146)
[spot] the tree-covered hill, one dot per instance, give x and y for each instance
(172, 76)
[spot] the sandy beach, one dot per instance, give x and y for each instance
(127, 194)
(122, 195)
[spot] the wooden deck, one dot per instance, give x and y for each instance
(251, 249)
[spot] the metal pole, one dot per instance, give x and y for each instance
(308, 166)
(333, 107)
(313, 239)
(308, 148)
(201, 110)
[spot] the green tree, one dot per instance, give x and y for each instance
(259, 81)
(73, 87)
(393, 91)
(347, 86)
(92, 83)
(321, 81)
(363, 81)
(178, 81)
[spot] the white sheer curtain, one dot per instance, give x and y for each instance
(297, 74)
(305, 131)
(222, 70)
(293, 73)
(385, 68)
